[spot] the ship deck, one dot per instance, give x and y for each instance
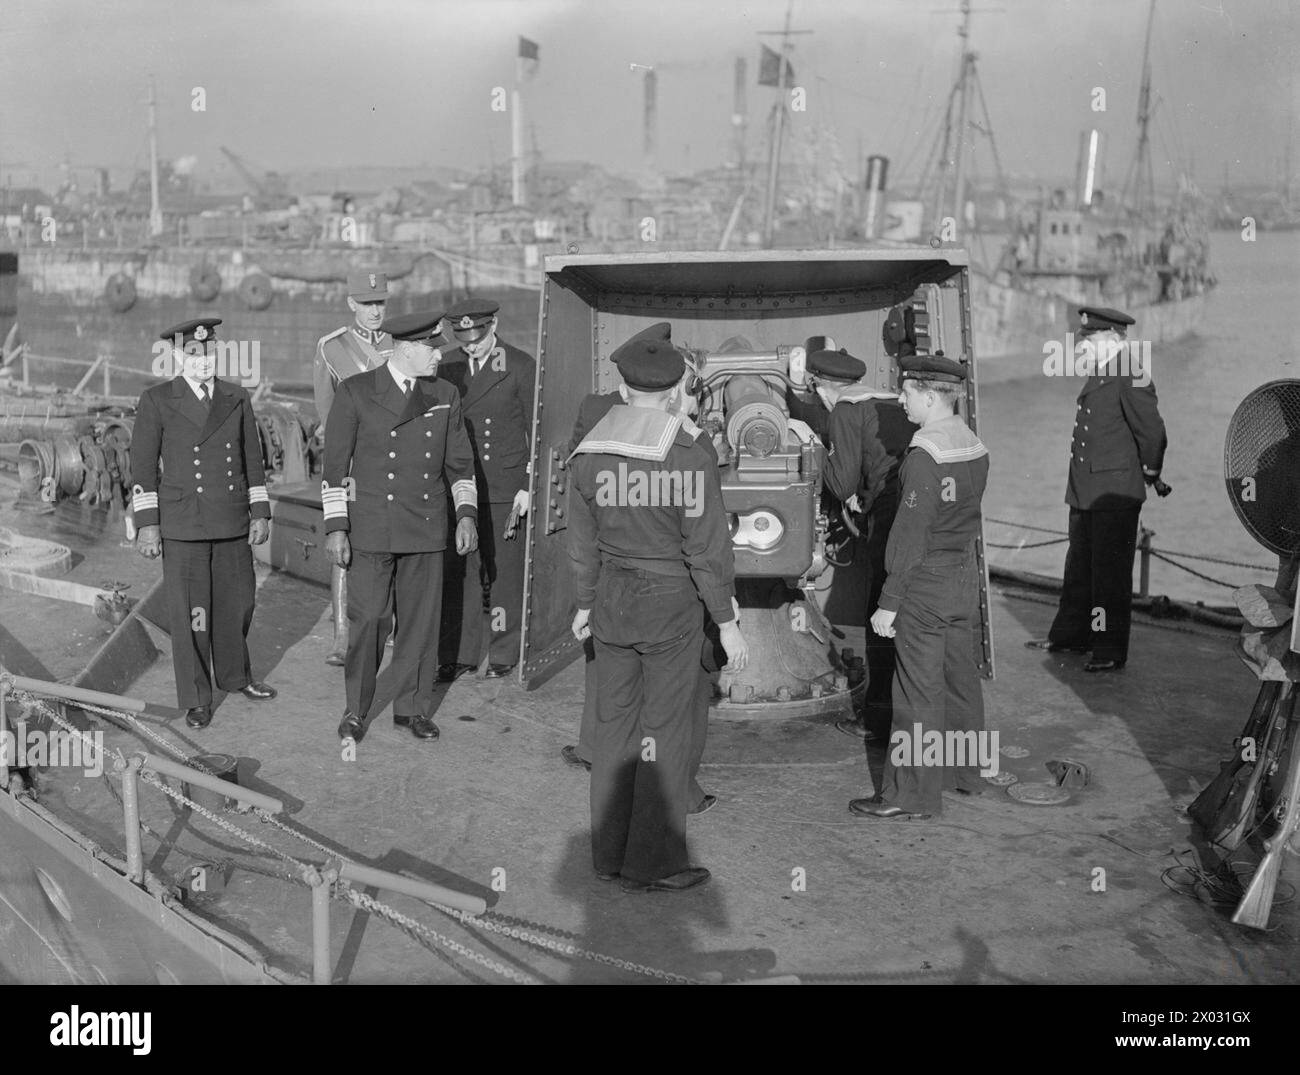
(993, 891)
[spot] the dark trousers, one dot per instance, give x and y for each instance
(700, 728)
(381, 584)
(1096, 606)
(878, 708)
(936, 685)
(493, 575)
(211, 592)
(648, 632)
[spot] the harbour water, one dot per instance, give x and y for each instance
(1250, 335)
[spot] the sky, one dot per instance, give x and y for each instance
(293, 84)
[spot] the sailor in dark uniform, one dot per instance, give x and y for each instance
(931, 595)
(869, 433)
(591, 410)
(496, 383)
(199, 500)
(649, 543)
(343, 353)
(396, 446)
(1118, 450)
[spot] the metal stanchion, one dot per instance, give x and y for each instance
(320, 922)
(131, 818)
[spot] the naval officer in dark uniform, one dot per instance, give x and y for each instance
(396, 448)
(341, 354)
(199, 500)
(649, 543)
(496, 383)
(1118, 450)
(930, 598)
(869, 433)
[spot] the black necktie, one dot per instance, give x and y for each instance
(207, 399)
(406, 389)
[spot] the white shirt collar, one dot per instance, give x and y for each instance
(475, 365)
(401, 378)
(196, 386)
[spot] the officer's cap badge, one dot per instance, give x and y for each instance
(373, 283)
(200, 332)
(465, 322)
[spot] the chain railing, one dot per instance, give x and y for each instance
(1146, 550)
(335, 879)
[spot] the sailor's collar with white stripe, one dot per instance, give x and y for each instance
(636, 432)
(949, 440)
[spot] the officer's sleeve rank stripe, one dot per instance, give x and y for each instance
(257, 495)
(334, 502)
(144, 502)
(464, 493)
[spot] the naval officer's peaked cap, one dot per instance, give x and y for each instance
(931, 368)
(836, 365)
(201, 328)
(472, 315)
(421, 327)
(1102, 319)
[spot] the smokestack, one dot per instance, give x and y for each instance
(1089, 167)
(877, 174)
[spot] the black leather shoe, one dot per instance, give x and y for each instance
(704, 805)
(423, 728)
(851, 726)
(1054, 647)
(1103, 665)
(498, 671)
(570, 754)
(874, 808)
(199, 717)
(677, 882)
(351, 727)
(448, 672)
(258, 692)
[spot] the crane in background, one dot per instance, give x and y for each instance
(269, 190)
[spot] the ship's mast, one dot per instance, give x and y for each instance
(155, 206)
(778, 127)
(1144, 192)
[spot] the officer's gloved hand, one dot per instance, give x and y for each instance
(522, 502)
(338, 548)
(148, 540)
(258, 531)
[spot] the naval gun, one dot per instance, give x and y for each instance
(753, 398)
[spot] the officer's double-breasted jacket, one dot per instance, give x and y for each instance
(1117, 431)
(197, 472)
(497, 406)
(391, 460)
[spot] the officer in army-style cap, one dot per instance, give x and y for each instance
(930, 599)
(352, 349)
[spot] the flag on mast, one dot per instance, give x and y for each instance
(769, 68)
(527, 60)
